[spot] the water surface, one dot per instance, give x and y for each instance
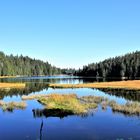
(30, 124)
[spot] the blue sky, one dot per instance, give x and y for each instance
(69, 33)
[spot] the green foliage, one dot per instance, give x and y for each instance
(19, 65)
(127, 66)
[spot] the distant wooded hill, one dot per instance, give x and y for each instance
(18, 65)
(127, 66)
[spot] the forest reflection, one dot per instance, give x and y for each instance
(30, 88)
(131, 95)
(38, 113)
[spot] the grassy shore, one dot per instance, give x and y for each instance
(12, 85)
(131, 84)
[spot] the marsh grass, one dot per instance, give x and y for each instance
(81, 105)
(10, 106)
(104, 105)
(130, 108)
(3, 77)
(32, 97)
(91, 99)
(9, 86)
(130, 84)
(67, 102)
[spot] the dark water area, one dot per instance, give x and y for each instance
(35, 123)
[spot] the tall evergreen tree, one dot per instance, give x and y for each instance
(20, 65)
(125, 66)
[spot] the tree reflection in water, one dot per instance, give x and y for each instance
(132, 95)
(38, 113)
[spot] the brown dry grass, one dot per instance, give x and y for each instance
(81, 105)
(1, 77)
(32, 97)
(67, 102)
(12, 85)
(131, 84)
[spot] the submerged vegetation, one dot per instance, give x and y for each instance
(10, 106)
(73, 104)
(131, 84)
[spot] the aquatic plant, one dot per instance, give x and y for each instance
(131, 108)
(67, 102)
(10, 106)
(81, 105)
(32, 97)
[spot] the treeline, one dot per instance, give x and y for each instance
(19, 65)
(127, 66)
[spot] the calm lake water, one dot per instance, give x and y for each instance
(31, 124)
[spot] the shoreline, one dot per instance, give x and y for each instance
(131, 84)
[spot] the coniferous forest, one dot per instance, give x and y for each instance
(19, 65)
(127, 66)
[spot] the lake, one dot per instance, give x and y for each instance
(32, 124)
